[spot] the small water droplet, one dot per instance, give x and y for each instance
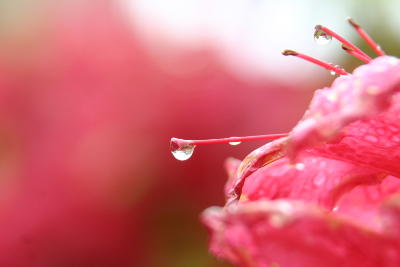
(300, 166)
(235, 143)
(181, 149)
(336, 66)
(335, 208)
(321, 37)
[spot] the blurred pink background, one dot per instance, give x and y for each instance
(88, 105)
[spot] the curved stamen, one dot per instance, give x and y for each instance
(366, 37)
(355, 54)
(343, 41)
(269, 137)
(323, 64)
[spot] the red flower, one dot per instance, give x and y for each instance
(327, 194)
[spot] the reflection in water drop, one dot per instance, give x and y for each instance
(321, 37)
(333, 73)
(181, 150)
(235, 143)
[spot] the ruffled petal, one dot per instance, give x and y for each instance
(315, 180)
(288, 233)
(260, 157)
(373, 142)
(366, 100)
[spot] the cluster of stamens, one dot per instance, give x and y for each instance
(183, 149)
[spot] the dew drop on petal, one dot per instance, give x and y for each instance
(300, 166)
(333, 73)
(321, 37)
(181, 150)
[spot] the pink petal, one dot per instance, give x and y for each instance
(373, 142)
(258, 158)
(231, 167)
(287, 233)
(366, 96)
(362, 204)
(315, 180)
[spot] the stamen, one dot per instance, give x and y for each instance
(183, 149)
(269, 137)
(355, 54)
(366, 37)
(343, 41)
(325, 65)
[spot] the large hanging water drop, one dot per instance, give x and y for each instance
(181, 150)
(321, 37)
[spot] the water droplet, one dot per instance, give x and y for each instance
(235, 143)
(336, 66)
(334, 209)
(181, 149)
(300, 166)
(321, 37)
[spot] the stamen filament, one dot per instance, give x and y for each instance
(355, 54)
(343, 41)
(325, 65)
(230, 139)
(366, 37)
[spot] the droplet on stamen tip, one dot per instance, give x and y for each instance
(321, 37)
(181, 150)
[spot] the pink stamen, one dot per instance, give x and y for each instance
(366, 37)
(325, 65)
(354, 53)
(344, 41)
(269, 137)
